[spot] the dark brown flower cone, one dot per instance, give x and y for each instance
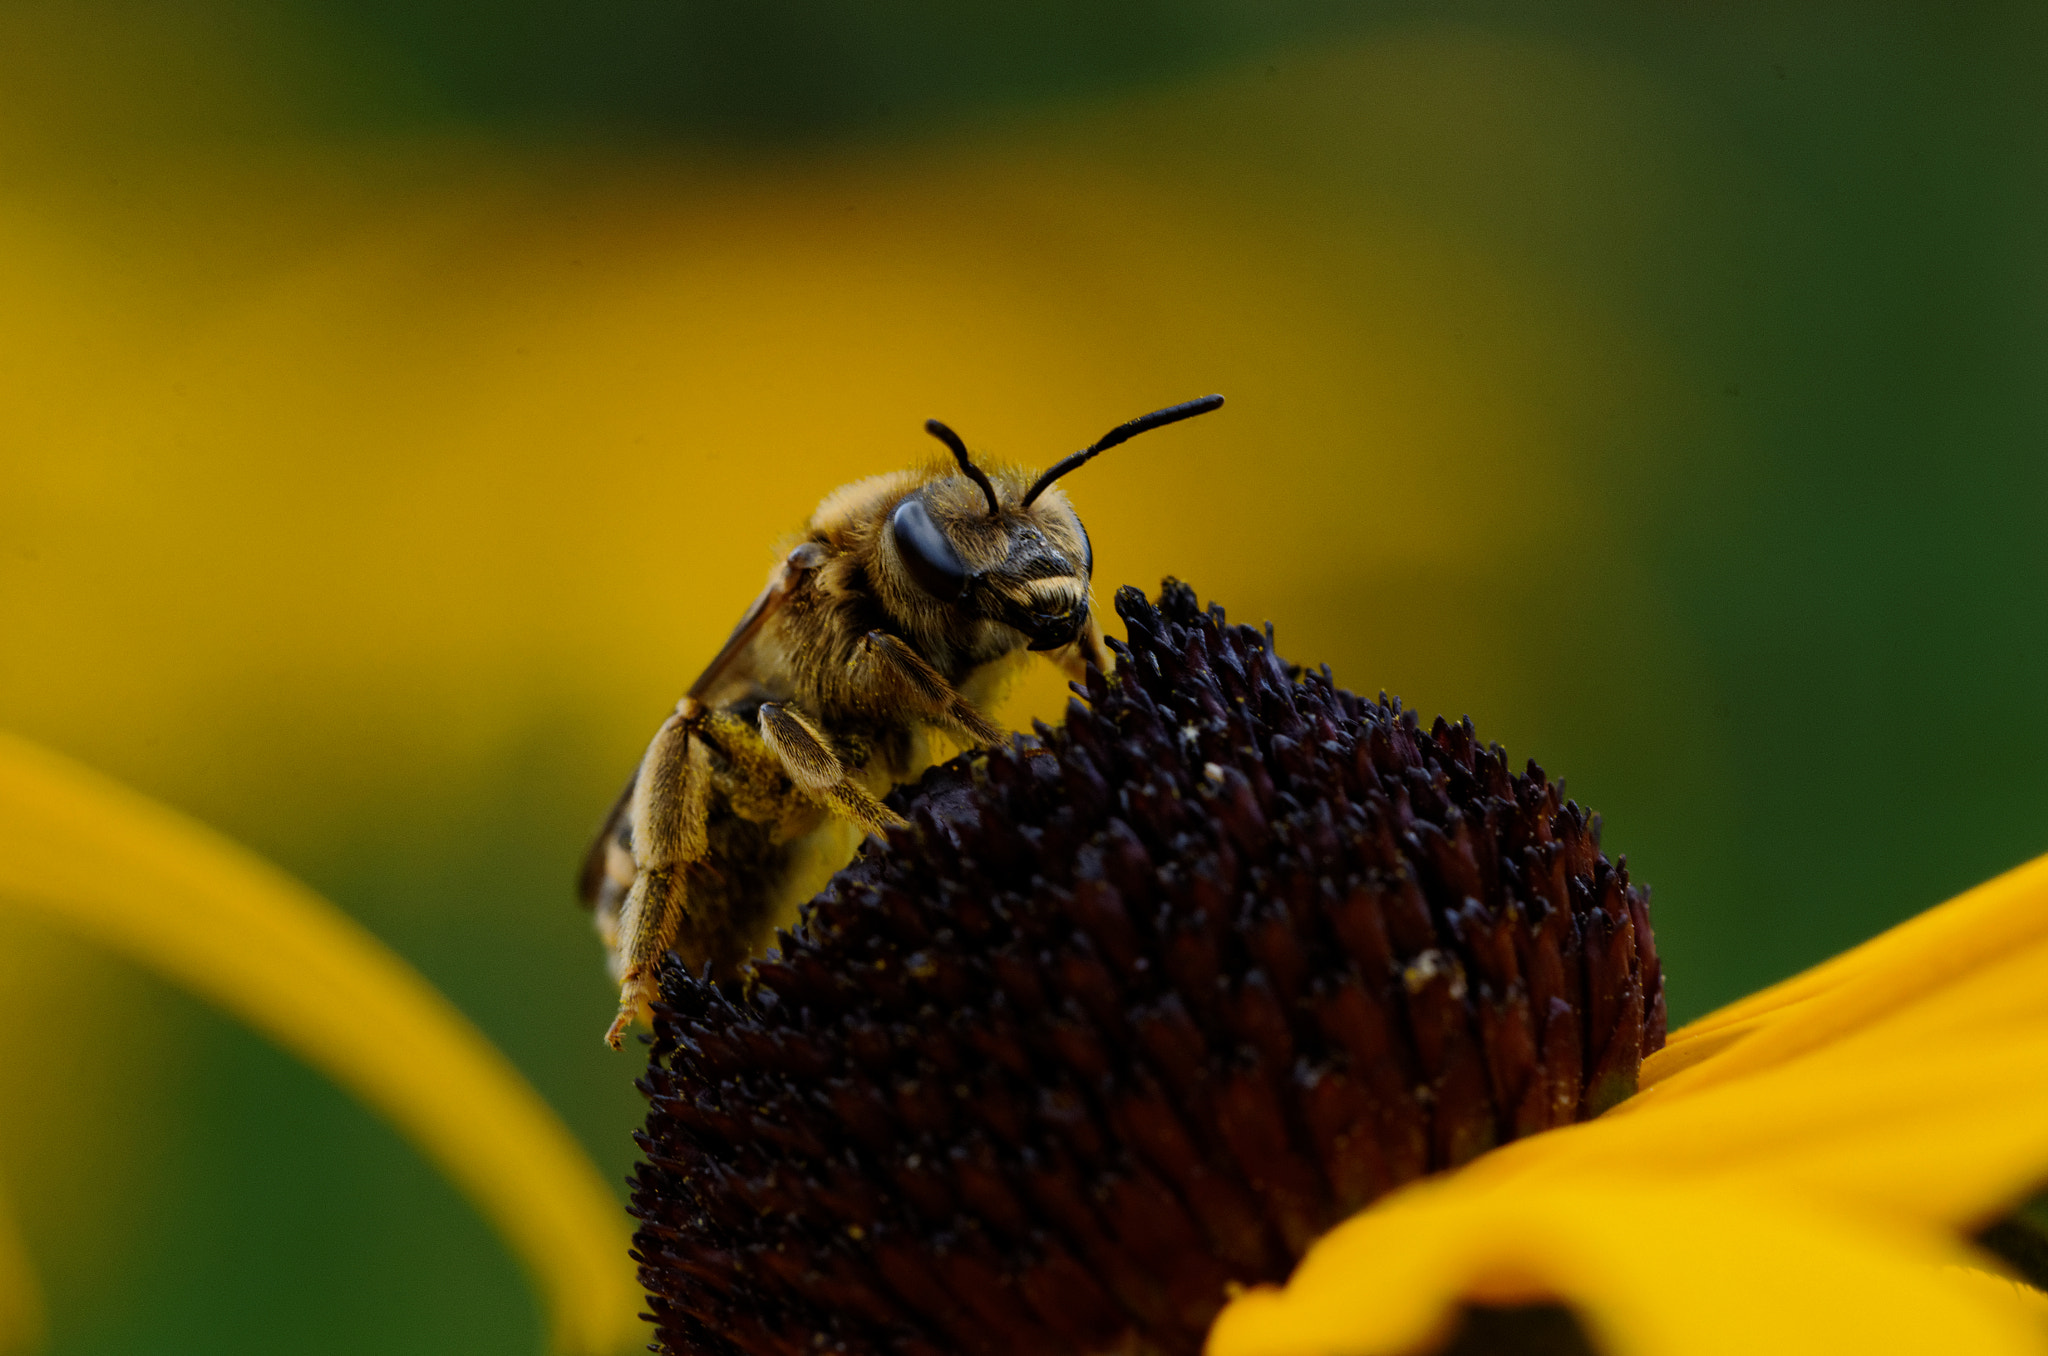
(1118, 1023)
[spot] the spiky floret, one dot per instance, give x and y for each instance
(1132, 1015)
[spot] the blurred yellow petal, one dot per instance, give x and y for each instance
(1902, 966)
(21, 1298)
(173, 895)
(2021, 1297)
(1651, 1269)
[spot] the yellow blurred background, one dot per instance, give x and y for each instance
(380, 461)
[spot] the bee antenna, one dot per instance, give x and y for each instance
(1144, 423)
(967, 466)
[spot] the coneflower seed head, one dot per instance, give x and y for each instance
(1132, 1016)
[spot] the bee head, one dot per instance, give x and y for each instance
(999, 550)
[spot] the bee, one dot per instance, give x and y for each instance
(905, 608)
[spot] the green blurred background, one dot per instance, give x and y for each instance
(400, 401)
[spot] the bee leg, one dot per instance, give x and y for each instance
(890, 665)
(670, 808)
(817, 771)
(1088, 649)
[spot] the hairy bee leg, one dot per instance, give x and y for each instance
(670, 810)
(1088, 649)
(887, 659)
(647, 926)
(812, 765)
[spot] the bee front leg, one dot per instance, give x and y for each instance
(1088, 649)
(817, 771)
(887, 666)
(670, 809)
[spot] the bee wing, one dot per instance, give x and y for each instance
(610, 856)
(730, 661)
(608, 868)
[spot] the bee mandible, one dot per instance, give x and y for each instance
(904, 609)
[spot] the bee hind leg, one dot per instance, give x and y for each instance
(648, 925)
(670, 810)
(808, 758)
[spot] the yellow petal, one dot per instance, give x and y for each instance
(173, 895)
(2004, 1290)
(1923, 956)
(1935, 1113)
(21, 1299)
(1650, 1268)
(1950, 1138)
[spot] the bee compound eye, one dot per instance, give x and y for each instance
(925, 552)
